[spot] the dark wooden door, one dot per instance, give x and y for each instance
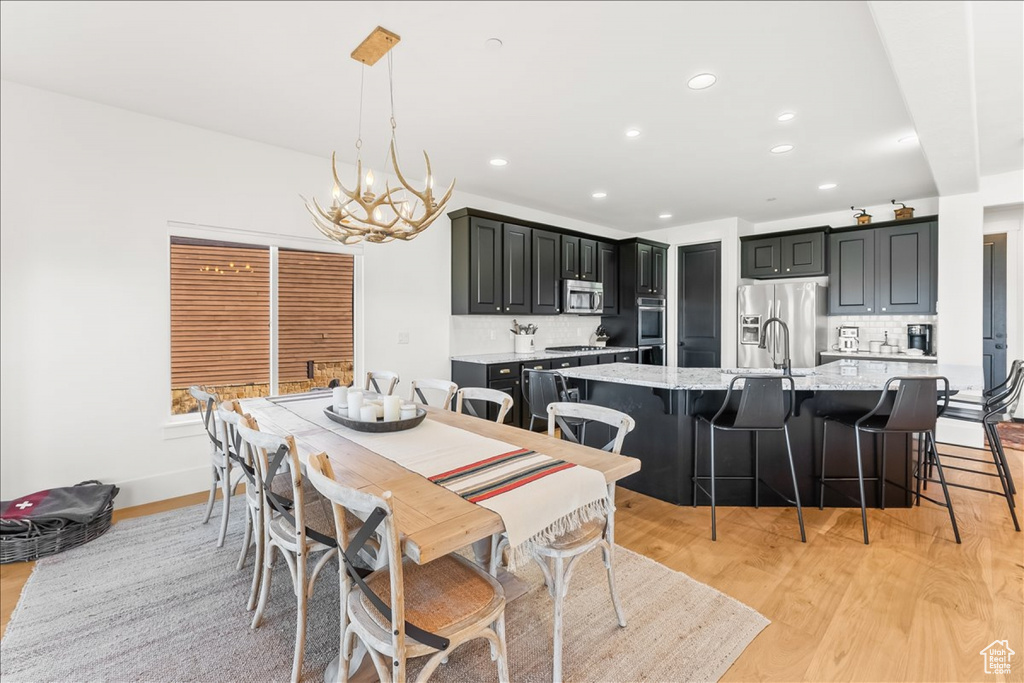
(851, 272)
(570, 257)
(485, 240)
(588, 260)
(608, 276)
(516, 266)
(659, 270)
(993, 314)
(700, 305)
(803, 254)
(546, 271)
(905, 269)
(761, 258)
(644, 268)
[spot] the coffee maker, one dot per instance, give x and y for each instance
(920, 337)
(848, 339)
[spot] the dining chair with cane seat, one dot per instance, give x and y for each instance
(406, 610)
(501, 399)
(377, 378)
(222, 470)
(764, 406)
(915, 412)
(997, 406)
(298, 528)
(558, 558)
(441, 386)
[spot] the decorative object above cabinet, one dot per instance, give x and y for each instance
(801, 253)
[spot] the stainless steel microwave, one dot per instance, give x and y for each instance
(583, 298)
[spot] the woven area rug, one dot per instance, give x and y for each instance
(155, 600)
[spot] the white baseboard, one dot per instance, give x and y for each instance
(960, 433)
(162, 486)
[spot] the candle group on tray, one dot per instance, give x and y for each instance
(353, 405)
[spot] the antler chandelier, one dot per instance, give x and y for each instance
(396, 213)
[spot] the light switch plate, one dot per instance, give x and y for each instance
(403, 337)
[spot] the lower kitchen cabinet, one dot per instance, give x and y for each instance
(510, 387)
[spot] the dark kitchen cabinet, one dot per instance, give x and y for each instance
(761, 258)
(803, 254)
(546, 270)
(510, 387)
(567, 362)
(608, 276)
(570, 257)
(588, 260)
(851, 272)
(589, 360)
(645, 268)
(659, 270)
(476, 266)
(889, 270)
(906, 269)
(516, 266)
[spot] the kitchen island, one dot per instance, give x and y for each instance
(665, 402)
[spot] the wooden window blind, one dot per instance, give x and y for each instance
(220, 313)
(315, 293)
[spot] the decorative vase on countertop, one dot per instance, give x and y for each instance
(524, 343)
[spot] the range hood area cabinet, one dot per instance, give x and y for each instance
(796, 254)
(501, 265)
(885, 270)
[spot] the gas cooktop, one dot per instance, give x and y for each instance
(570, 349)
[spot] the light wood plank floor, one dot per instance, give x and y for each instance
(912, 606)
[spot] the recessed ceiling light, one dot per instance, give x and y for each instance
(781, 149)
(499, 162)
(664, 215)
(908, 138)
(701, 81)
(599, 195)
(787, 116)
(827, 186)
(632, 133)
(493, 43)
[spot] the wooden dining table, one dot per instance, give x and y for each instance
(432, 520)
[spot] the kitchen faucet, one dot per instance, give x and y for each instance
(786, 364)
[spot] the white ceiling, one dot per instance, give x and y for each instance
(555, 100)
(999, 83)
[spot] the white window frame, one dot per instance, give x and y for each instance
(178, 426)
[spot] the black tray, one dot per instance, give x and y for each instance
(378, 426)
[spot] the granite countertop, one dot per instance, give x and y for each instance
(489, 358)
(842, 375)
(867, 355)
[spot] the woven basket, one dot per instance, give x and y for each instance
(53, 541)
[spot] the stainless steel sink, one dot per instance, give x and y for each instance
(766, 371)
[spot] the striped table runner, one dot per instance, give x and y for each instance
(538, 497)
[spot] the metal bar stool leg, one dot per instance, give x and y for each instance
(919, 468)
(696, 454)
(1002, 458)
(881, 475)
(796, 490)
(714, 527)
(860, 482)
(1007, 492)
(945, 489)
(821, 478)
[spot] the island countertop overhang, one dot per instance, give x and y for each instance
(843, 375)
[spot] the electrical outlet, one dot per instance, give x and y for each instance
(403, 337)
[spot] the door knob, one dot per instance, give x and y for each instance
(1000, 346)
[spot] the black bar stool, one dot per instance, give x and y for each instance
(762, 408)
(915, 411)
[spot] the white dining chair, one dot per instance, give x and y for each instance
(500, 398)
(442, 386)
(376, 378)
(450, 598)
(222, 472)
(558, 558)
(290, 527)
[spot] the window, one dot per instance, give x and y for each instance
(222, 337)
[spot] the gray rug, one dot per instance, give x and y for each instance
(155, 600)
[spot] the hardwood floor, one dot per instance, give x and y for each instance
(912, 606)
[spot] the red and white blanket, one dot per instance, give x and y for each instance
(538, 497)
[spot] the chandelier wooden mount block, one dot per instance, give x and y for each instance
(375, 46)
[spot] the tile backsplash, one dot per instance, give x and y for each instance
(874, 327)
(472, 334)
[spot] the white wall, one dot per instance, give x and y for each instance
(88, 192)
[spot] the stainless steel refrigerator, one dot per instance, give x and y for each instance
(801, 305)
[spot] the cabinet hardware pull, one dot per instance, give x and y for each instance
(883, 308)
(504, 371)
(498, 308)
(538, 367)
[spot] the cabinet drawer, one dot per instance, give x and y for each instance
(559, 363)
(628, 357)
(503, 371)
(589, 360)
(537, 365)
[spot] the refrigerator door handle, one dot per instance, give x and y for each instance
(778, 307)
(768, 338)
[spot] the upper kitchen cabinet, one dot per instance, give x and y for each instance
(579, 258)
(642, 268)
(608, 275)
(886, 270)
(659, 270)
(588, 260)
(546, 272)
(476, 265)
(798, 254)
(516, 268)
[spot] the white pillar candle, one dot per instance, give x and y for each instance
(355, 402)
(379, 407)
(368, 414)
(392, 408)
(339, 397)
(408, 411)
